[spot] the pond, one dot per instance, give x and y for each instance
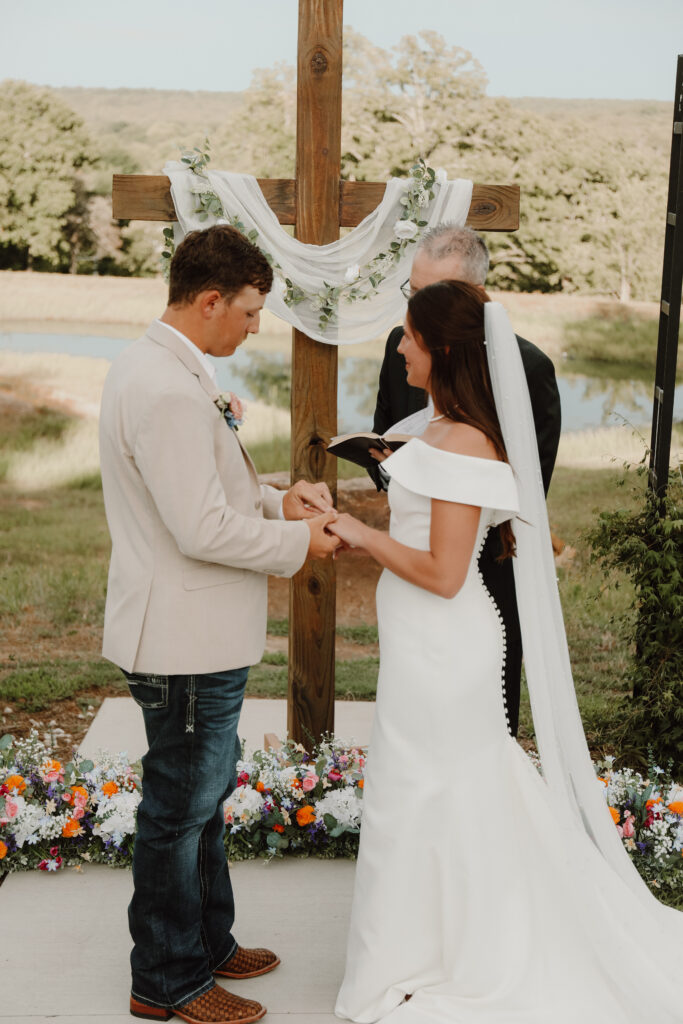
(587, 401)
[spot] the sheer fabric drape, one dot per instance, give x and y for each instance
(313, 266)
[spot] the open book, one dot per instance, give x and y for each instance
(356, 447)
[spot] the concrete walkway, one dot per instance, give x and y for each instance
(64, 955)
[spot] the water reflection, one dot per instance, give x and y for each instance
(588, 400)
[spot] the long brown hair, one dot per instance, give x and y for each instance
(448, 321)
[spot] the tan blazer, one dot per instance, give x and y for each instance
(191, 548)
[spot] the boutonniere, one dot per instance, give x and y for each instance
(232, 409)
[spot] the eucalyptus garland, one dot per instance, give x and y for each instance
(360, 282)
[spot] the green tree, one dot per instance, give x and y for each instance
(260, 138)
(43, 203)
(395, 102)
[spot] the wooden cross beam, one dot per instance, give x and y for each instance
(317, 203)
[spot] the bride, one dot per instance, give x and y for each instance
(484, 893)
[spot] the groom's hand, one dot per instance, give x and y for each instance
(322, 543)
(304, 500)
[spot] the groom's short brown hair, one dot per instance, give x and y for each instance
(219, 257)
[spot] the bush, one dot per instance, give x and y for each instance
(647, 544)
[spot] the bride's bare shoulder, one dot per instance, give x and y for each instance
(463, 439)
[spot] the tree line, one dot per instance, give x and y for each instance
(593, 175)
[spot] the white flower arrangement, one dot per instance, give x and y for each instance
(53, 814)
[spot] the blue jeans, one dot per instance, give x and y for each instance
(182, 911)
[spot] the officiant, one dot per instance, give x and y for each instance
(449, 252)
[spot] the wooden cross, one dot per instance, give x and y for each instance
(317, 203)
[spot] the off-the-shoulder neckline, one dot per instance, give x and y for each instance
(457, 455)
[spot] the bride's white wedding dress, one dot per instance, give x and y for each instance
(474, 893)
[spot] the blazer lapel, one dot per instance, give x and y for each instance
(160, 334)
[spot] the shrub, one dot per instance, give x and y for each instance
(647, 544)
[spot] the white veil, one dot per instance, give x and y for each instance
(561, 741)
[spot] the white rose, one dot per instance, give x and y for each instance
(352, 273)
(279, 287)
(441, 176)
(405, 229)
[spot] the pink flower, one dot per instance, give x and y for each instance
(628, 830)
(310, 782)
(79, 811)
(54, 850)
(11, 807)
(236, 406)
(333, 775)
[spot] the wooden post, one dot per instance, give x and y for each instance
(312, 602)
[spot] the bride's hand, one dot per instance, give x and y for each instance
(352, 532)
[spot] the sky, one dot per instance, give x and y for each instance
(617, 49)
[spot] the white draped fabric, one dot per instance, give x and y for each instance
(560, 737)
(311, 267)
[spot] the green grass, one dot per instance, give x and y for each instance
(620, 344)
(54, 558)
(36, 685)
(365, 634)
(355, 680)
(20, 433)
(274, 457)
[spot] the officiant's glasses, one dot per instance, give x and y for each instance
(406, 290)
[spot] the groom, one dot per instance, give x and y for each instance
(453, 253)
(194, 536)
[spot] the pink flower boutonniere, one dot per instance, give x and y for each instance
(232, 409)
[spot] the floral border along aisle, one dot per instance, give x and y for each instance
(54, 815)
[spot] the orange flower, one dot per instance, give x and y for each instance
(651, 803)
(677, 808)
(80, 793)
(305, 815)
(615, 815)
(72, 828)
(295, 783)
(260, 787)
(51, 770)
(109, 788)
(3, 849)
(600, 779)
(16, 782)
(361, 783)
(278, 828)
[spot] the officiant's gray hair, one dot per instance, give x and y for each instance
(450, 240)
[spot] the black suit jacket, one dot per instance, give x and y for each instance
(396, 399)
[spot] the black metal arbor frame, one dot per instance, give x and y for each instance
(670, 305)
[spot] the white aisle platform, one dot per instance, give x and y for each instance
(64, 957)
(118, 725)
